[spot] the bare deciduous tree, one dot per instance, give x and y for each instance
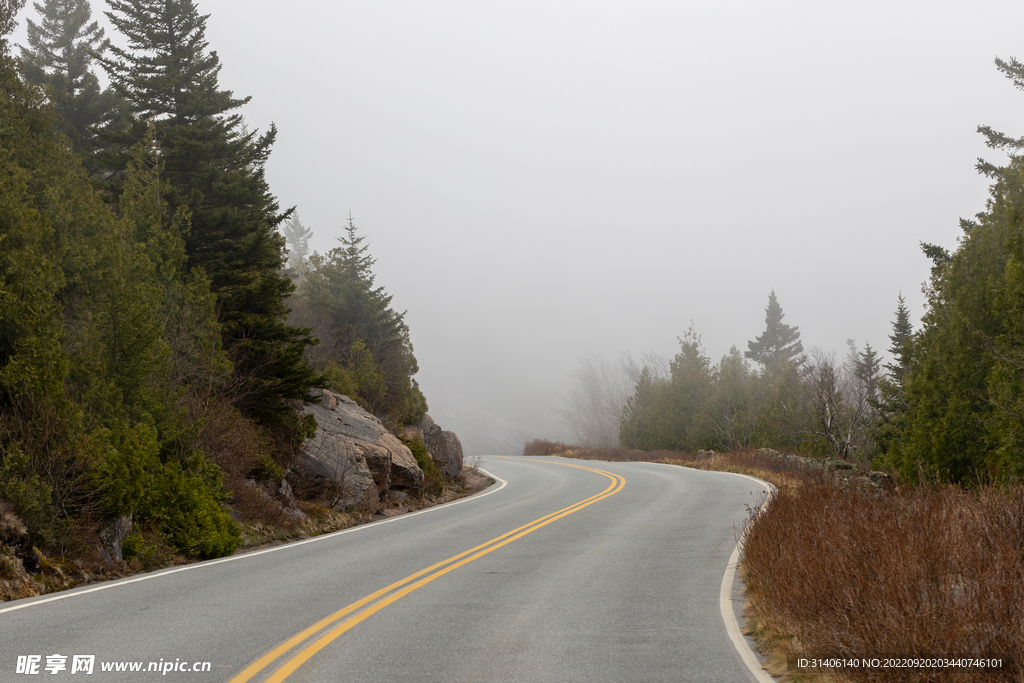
(592, 408)
(843, 400)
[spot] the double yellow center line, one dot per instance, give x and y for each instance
(318, 636)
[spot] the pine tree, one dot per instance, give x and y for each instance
(296, 237)
(341, 284)
(902, 333)
(60, 53)
(8, 11)
(1014, 71)
(779, 343)
(216, 170)
(638, 426)
(867, 371)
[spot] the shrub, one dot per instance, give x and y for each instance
(544, 447)
(919, 571)
(433, 480)
(186, 509)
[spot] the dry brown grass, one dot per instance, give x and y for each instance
(545, 447)
(920, 571)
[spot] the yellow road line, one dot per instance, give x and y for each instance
(424, 577)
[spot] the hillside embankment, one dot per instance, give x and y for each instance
(354, 470)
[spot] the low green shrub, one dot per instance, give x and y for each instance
(433, 480)
(187, 510)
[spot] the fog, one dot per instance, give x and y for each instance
(544, 180)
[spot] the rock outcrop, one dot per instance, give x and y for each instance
(444, 447)
(879, 483)
(113, 533)
(354, 454)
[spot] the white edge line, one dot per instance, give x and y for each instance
(209, 563)
(732, 626)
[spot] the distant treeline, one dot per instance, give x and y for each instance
(149, 367)
(948, 406)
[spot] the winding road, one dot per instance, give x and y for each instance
(565, 570)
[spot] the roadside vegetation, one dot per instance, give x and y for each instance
(162, 320)
(924, 570)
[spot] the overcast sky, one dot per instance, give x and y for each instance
(543, 180)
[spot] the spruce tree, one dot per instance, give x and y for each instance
(779, 343)
(341, 284)
(892, 403)
(60, 52)
(296, 237)
(902, 332)
(637, 428)
(8, 11)
(867, 372)
(1014, 71)
(216, 169)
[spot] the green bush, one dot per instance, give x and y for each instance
(267, 469)
(187, 510)
(125, 474)
(433, 480)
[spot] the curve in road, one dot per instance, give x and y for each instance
(625, 586)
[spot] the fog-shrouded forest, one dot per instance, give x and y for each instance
(165, 310)
(156, 346)
(604, 174)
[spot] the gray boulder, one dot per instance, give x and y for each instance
(410, 433)
(113, 533)
(444, 447)
(355, 452)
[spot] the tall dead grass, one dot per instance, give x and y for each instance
(545, 447)
(926, 571)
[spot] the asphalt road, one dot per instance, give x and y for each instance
(611, 576)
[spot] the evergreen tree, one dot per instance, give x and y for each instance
(867, 371)
(296, 237)
(688, 389)
(779, 343)
(1014, 71)
(341, 285)
(901, 336)
(637, 429)
(59, 54)
(8, 11)
(730, 414)
(963, 419)
(216, 171)
(31, 358)
(50, 220)
(85, 410)
(963, 373)
(668, 413)
(892, 401)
